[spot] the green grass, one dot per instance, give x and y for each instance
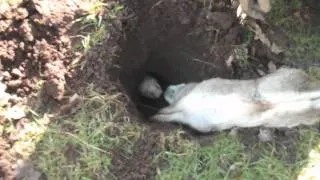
(314, 73)
(209, 162)
(228, 158)
(94, 25)
(78, 147)
(98, 30)
(307, 47)
(305, 38)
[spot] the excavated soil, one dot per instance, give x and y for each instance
(35, 46)
(175, 41)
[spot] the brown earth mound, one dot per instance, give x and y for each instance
(34, 46)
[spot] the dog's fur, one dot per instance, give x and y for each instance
(285, 98)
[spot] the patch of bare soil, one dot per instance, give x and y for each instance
(35, 47)
(138, 165)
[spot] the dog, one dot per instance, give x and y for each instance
(285, 98)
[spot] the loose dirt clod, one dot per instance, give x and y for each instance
(26, 170)
(31, 51)
(265, 135)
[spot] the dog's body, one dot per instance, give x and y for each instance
(285, 98)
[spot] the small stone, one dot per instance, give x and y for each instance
(21, 93)
(64, 39)
(233, 132)
(265, 135)
(6, 75)
(14, 99)
(272, 67)
(26, 170)
(26, 89)
(22, 13)
(14, 83)
(21, 45)
(16, 72)
(229, 61)
(260, 72)
(5, 24)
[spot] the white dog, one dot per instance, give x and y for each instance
(285, 98)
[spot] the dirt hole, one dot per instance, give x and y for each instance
(177, 42)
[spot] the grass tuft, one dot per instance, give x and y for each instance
(95, 23)
(305, 38)
(228, 158)
(78, 147)
(216, 161)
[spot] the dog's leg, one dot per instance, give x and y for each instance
(171, 117)
(171, 113)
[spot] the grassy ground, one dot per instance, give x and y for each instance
(229, 158)
(78, 147)
(305, 39)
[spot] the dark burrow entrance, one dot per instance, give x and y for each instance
(175, 43)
